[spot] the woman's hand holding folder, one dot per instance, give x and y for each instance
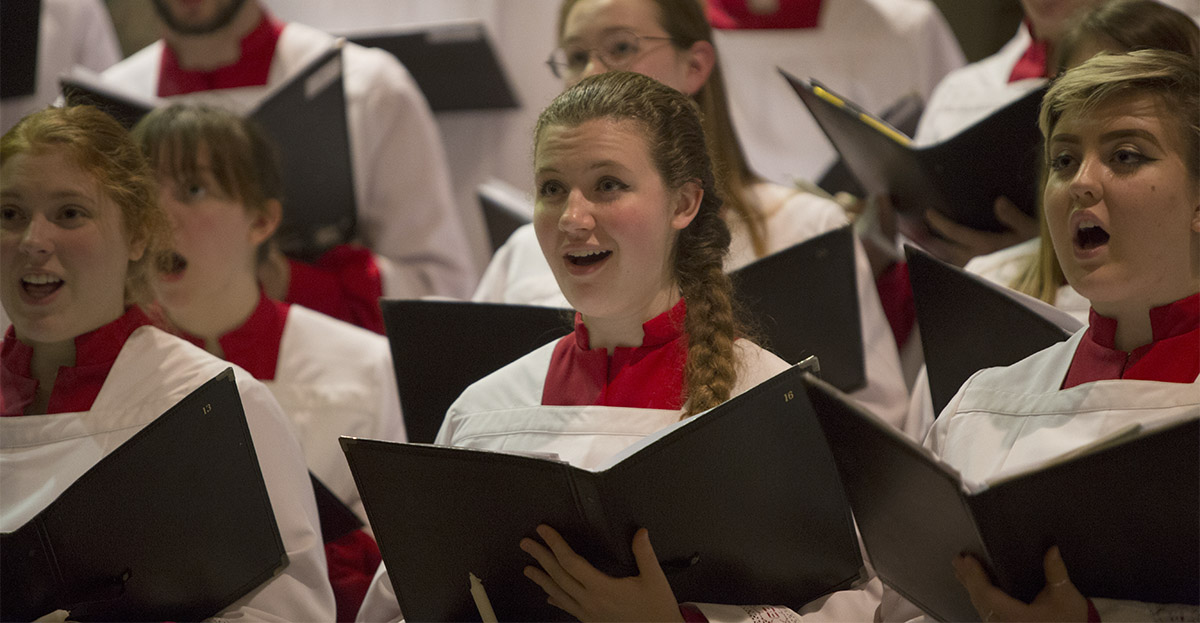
(588, 594)
(1059, 600)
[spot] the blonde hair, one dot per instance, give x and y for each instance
(685, 22)
(675, 139)
(102, 148)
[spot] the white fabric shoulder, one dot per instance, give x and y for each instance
(968, 94)
(334, 379)
(792, 216)
(139, 71)
(516, 386)
(1005, 265)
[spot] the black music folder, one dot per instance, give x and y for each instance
(20, 36)
(440, 347)
(742, 502)
(1124, 511)
(337, 519)
(173, 525)
(804, 301)
(306, 119)
(454, 63)
(903, 115)
(504, 209)
(968, 323)
(959, 177)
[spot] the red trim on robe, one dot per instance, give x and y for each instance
(250, 70)
(1033, 63)
(1172, 357)
(896, 296)
(649, 376)
(75, 387)
(254, 346)
(789, 14)
(345, 283)
(353, 560)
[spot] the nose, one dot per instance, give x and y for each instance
(38, 238)
(576, 218)
(1086, 188)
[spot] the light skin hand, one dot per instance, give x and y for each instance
(960, 243)
(1059, 600)
(588, 594)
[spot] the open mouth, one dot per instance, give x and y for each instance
(1090, 236)
(588, 258)
(171, 263)
(40, 286)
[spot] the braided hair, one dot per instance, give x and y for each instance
(672, 127)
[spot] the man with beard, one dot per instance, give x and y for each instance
(236, 51)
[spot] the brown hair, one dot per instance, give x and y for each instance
(244, 161)
(1128, 25)
(685, 22)
(102, 147)
(675, 138)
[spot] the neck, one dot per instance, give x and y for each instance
(627, 332)
(217, 49)
(47, 359)
(1133, 324)
(609, 334)
(210, 319)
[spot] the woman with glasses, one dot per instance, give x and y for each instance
(672, 42)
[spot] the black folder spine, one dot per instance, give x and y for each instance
(585, 487)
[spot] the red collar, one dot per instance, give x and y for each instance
(1173, 356)
(1033, 63)
(254, 346)
(790, 14)
(649, 376)
(75, 387)
(251, 69)
(345, 283)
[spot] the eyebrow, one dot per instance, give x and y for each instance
(599, 164)
(602, 33)
(58, 194)
(1109, 136)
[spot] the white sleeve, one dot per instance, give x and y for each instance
(380, 603)
(407, 212)
(301, 592)
(1116, 610)
(850, 605)
(494, 282)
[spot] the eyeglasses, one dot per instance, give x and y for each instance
(617, 50)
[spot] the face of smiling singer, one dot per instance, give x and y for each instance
(1122, 206)
(65, 254)
(606, 222)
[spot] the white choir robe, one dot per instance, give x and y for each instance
(503, 412)
(518, 273)
(406, 211)
(1007, 419)
(332, 379)
(41, 455)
